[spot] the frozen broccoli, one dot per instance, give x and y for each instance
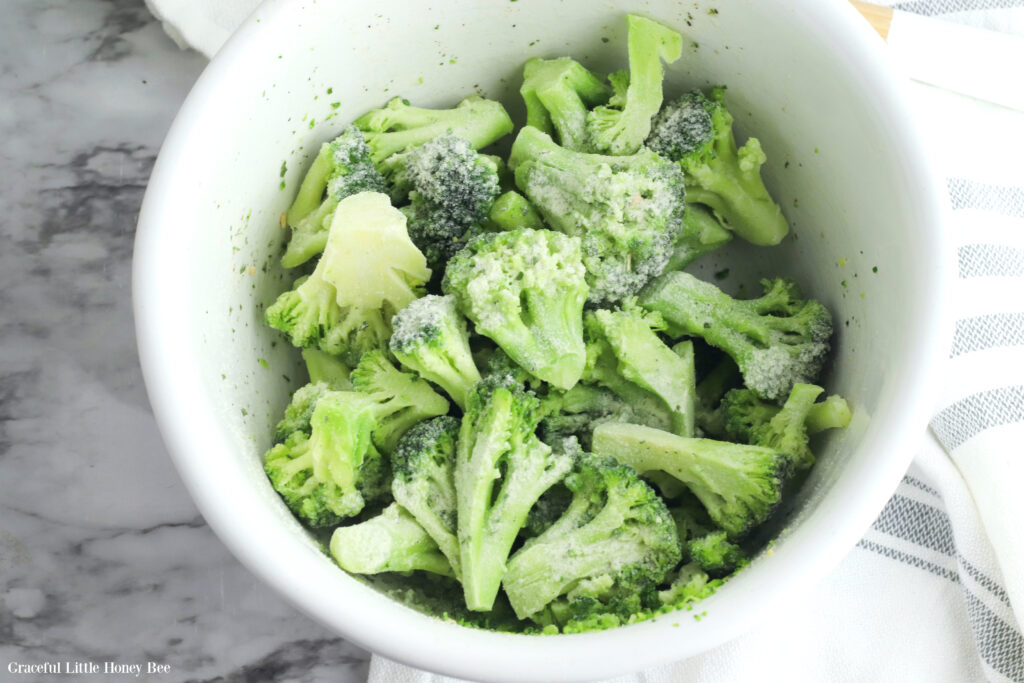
(710, 391)
(615, 540)
(512, 210)
(627, 210)
(424, 481)
(621, 126)
(393, 541)
(576, 412)
(777, 340)
(832, 413)
(696, 132)
(701, 233)
(715, 553)
(299, 412)
(739, 485)
(342, 168)
(323, 367)
(558, 94)
(525, 290)
(501, 469)
(691, 585)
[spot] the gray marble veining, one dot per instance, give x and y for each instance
(103, 556)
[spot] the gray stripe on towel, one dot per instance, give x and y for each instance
(970, 416)
(990, 260)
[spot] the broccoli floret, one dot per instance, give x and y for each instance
(777, 340)
(832, 413)
(430, 338)
(399, 126)
(701, 233)
(424, 481)
(576, 412)
(743, 412)
(342, 168)
(451, 190)
(643, 359)
(623, 124)
(715, 554)
(696, 132)
(369, 270)
(691, 585)
(710, 391)
(739, 485)
(525, 290)
(512, 210)
(627, 210)
(548, 509)
(393, 541)
(501, 469)
(558, 93)
(616, 539)
(401, 398)
(323, 367)
(334, 471)
(692, 520)
(299, 412)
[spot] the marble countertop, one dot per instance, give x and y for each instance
(103, 556)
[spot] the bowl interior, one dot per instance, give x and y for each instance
(800, 74)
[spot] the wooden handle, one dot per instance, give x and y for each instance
(880, 18)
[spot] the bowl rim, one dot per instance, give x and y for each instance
(404, 635)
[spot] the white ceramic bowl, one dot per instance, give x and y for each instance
(845, 162)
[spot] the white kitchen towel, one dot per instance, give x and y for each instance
(929, 592)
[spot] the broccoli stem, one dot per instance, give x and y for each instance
(311, 191)
(512, 210)
(310, 236)
(323, 367)
(701, 233)
(391, 542)
(832, 413)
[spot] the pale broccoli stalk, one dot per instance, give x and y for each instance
(501, 469)
(696, 132)
(739, 485)
(424, 482)
(342, 168)
(328, 369)
(399, 126)
(451, 190)
(832, 413)
(525, 290)
(430, 338)
(558, 94)
(623, 124)
(369, 270)
(393, 541)
(332, 472)
(627, 210)
(777, 340)
(616, 539)
(576, 412)
(701, 233)
(401, 398)
(715, 554)
(512, 210)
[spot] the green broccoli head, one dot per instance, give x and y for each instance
(430, 338)
(393, 541)
(525, 290)
(400, 398)
(558, 94)
(575, 413)
(399, 126)
(501, 469)
(342, 168)
(777, 340)
(627, 210)
(696, 131)
(621, 126)
(715, 553)
(424, 481)
(743, 412)
(334, 471)
(692, 584)
(299, 413)
(616, 539)
(739, 485)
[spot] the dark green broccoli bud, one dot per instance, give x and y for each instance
(743, 412)
(691, 585)
(342, 168)
(715, 554)
(369, 270)
(512, 210)
(501, 368)
(323, 367)
(739, 485)
(558, 93)
(701, 233)
(616, 539)
(501, 469)
(576, 412)
(627, 210)
(401, 398)
(691, 518)
(299, 412)
(547, 510)
(696, 132)
(333, 472)
(393, 541)
(777, 340)
(424, 481)
(710, 391)
(430, 338)
(832, 413)
(623, 124)
(525, 290)
(399, 126)
(451, 190)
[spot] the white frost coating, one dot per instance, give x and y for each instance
(681, 127)
(422, 319)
